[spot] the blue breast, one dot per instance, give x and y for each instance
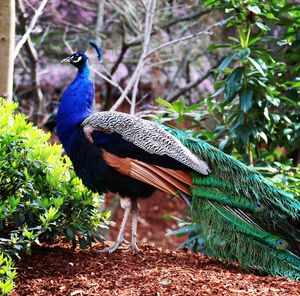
(76, 104)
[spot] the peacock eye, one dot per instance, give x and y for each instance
(76, 58)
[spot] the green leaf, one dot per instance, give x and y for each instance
(254, 8)
(210, 2)
(223, 143)
(263, 136)
(178, 106)
(295, 84)
(275, 117)
(243, 54)
(231, 38)
(164, 102)
(218, 92)
(165, 282)
(262, 26)
(266, 113)
(258, 66)
(226, 62)
(254, 40)
(233, 83)
(290, 7)
(83, 243)
(7, 287)
(28, 233)
(69, 233)
(244, 133)
(246, 96)
(287, 119)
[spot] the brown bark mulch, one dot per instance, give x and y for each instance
(57, 270)
(154, 270)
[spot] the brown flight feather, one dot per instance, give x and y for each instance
(165, 179)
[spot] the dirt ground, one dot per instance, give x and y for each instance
(154, 270)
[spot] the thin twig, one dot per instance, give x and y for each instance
(190, 86)
(137, 72)
(33, 59)
(67, 44)
(163, 62)
(122, 53)
(134, 94)
(147, 34)
(185, 38)
(190, 17)
(100, 21)
(31, 26)
(111, 82)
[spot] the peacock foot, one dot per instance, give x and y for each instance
(132, 247)
(112, 248)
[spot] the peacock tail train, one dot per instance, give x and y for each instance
(243, 217)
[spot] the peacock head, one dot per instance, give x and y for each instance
(80, 59)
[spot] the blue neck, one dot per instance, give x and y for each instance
(84, 71)
(76, 105)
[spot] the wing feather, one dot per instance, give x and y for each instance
(168, 180)
(147, 135)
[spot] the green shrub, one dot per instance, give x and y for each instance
(40, 196)
(7, 274)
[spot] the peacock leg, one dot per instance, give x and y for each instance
(134, 213)
(126, 205)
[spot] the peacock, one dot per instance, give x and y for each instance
(243, 217)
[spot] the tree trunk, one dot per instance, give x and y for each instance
(7, 45)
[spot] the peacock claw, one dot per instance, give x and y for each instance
(131, 248)
(111, 248)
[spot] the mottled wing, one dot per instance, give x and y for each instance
(145, 134)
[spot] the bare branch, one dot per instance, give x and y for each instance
(31, 26)
(195, 15)
(67, 44)
(110, 81)
(147, 34)
(33, 58)
(136, 74)
(185, 38)
(163, 62)
(190, 86)
(124, 49)
(100, 21)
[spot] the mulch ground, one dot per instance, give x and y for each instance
(57, 270)
(154, 270)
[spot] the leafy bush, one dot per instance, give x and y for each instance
(7, 274)
(256, 101)
(284, 176)
(40, 195)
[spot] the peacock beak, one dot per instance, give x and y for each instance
(66, 60)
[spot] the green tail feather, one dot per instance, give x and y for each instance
(243, 216)
(230, 238)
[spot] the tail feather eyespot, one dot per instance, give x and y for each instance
(281, 244)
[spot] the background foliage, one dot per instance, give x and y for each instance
(240, 80)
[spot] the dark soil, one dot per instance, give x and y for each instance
(57, 270)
